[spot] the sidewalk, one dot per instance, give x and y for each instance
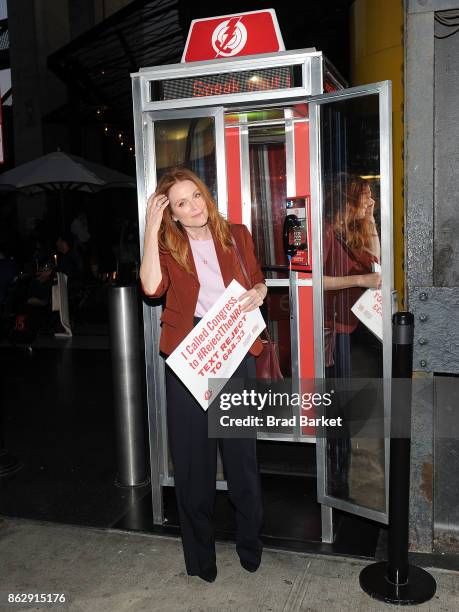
(112, 571)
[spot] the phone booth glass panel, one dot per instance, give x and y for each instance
(350, 150)
(187, 142)
(356, 300)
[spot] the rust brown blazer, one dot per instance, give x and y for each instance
(182, 288)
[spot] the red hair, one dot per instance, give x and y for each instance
(355, 231)
(172, 236)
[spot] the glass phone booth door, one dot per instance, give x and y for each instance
(351, 168)
(335, 148)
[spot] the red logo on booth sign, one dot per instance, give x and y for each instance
(233, 35)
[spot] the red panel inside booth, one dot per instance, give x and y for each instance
(305, 295)
(276, 169)
(233, 174)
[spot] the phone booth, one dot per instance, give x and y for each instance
(272, 146)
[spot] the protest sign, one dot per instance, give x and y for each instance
(368, 308)
(216, 346)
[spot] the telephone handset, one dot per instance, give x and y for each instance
(293, 235)
(296, 232)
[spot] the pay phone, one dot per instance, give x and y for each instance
(296, 233)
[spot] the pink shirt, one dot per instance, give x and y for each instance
(340, 260)
(209, 275)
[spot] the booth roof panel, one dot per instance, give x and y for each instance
(227, 64)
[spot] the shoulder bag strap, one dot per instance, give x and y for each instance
(241, 262)
(246, 276)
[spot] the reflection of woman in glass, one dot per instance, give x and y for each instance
(189, 255)
(351, 247)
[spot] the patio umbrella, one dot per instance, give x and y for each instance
(60, 172)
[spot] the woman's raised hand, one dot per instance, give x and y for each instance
(156, 205)
(150, 269)
(370, 281)
(369, 212)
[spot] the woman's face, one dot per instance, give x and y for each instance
(188, 204)
(366, 203)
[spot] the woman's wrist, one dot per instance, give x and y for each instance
(262, 289)
(150, 240)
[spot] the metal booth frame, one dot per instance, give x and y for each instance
(146, 112)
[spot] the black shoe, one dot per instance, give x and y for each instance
(209, 575)
(250, 567)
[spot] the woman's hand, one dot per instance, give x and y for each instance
(150, 272)
(154, 215)
(253, 298)
(369, 281)
(369, 212)
(373, 246)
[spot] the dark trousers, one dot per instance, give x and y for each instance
(342, 367)
(194, 456)
(339, 449)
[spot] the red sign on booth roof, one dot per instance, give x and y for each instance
(233, 35)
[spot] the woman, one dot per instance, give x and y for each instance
(189, 255)
(351, 247)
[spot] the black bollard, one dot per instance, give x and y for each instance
(396, 581)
